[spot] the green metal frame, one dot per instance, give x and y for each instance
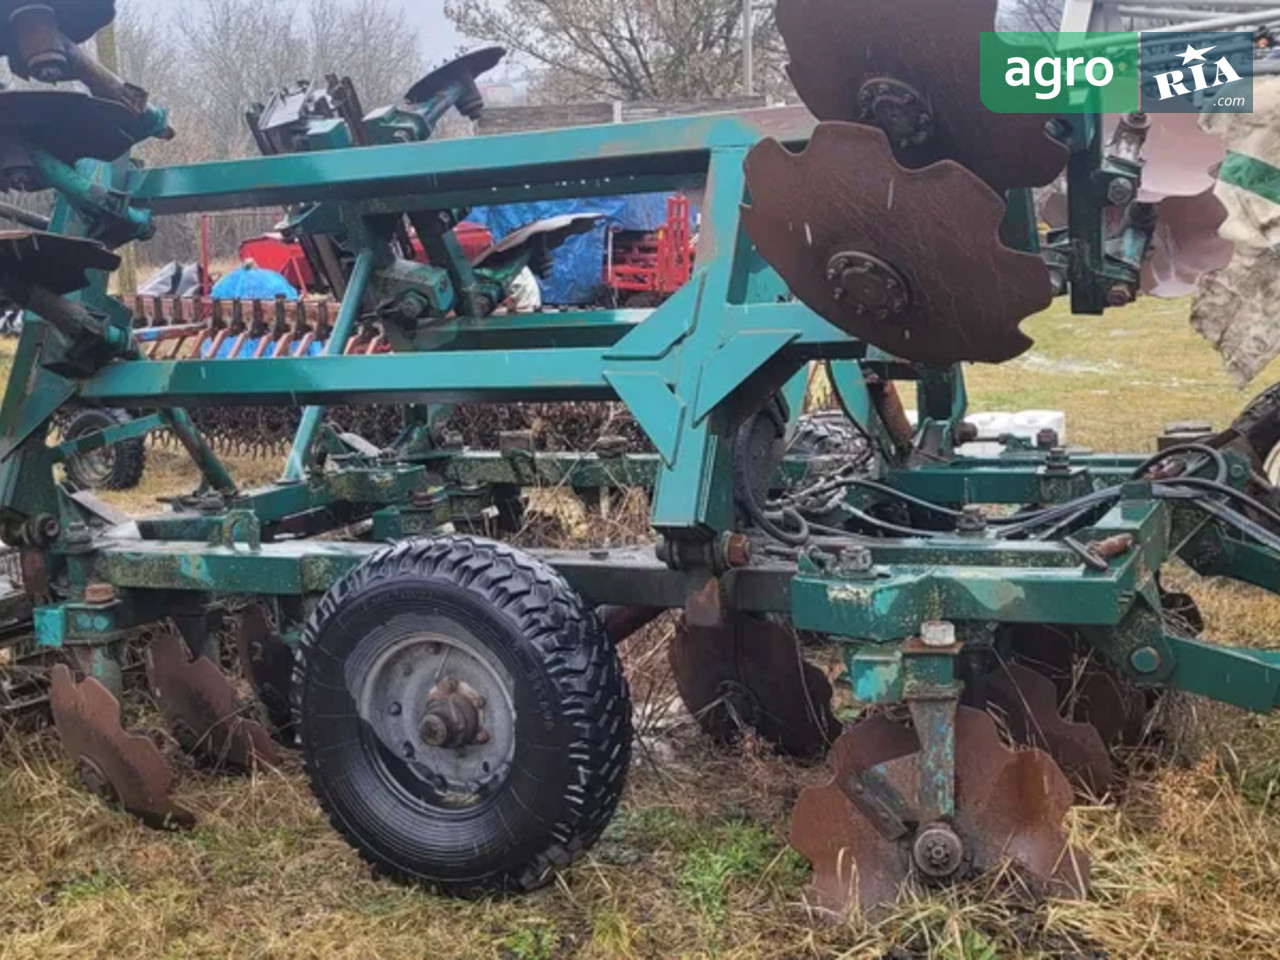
(689, 371)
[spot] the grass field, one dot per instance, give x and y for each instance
(1186, 852)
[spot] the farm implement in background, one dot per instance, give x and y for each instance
(459, 703)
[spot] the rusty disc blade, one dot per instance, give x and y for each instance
(1029, 703)
(267, 663)
(120, 767)
(201, 706)
(751, 672)
(70, 126)
(1109, 704)
(912, 68)
(855, 862)
(1010, 806)
(1179, 157)
(50, 260)
(908, 260)
(1186, 245)
(1089, 689)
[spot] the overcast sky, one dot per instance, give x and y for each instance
(439, 39)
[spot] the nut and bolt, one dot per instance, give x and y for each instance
(1058, 460)
(1048, 439)
(737, 550)
(99, 594)
(856, 561)
(971, 521)
(1120, 191)
(938, 633)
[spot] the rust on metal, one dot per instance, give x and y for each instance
(1113, 547)
(1028, 702)
(99, 594)
(821, 242)
(1089, 689)
(1010, 806)
(201, 706)
(751, 672)
(915, 72)
(120, 767)
(854, 862)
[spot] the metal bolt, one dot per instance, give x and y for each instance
(1145, 659)
(434, 730)
(938, 633)
(482, 736)
(1119, 295)
(448, 685)
(395, 709)
(407, 751)
(737, 550)
(99, 594)
(1120, 191)
(857, 561)
(971, 521)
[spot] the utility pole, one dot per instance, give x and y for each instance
(109, 57)
(748, 53)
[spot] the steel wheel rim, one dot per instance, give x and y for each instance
(402, 683)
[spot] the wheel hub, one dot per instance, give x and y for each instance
(452, 719)
(444, 709)
(938, 852)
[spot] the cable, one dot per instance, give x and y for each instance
(1238, 495)
(1216, 456)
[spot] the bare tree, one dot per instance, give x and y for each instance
(370, 41)
(1030, 16)
(628, 49)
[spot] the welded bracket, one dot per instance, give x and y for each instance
(932, 693)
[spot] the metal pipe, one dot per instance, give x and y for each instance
(748, 54)
(296, 468)
(1221, 23)
(25, 218)
(1166, 13)
(1222, 4)
(211, 468)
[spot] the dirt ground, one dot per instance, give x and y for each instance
(1185, 850)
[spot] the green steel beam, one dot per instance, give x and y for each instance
(540, 163)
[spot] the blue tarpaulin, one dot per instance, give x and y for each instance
(253, 283)
(579, 263)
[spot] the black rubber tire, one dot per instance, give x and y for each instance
(128, 458)
(826, 435)
(1259, 422)
(572, 746)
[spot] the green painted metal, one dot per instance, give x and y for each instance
(296, 465)
(689, 371)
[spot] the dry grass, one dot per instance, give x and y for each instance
(1186, 855)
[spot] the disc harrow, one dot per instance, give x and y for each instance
(433, 678)
(901, 66)
(865, 837)
(852, 252)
